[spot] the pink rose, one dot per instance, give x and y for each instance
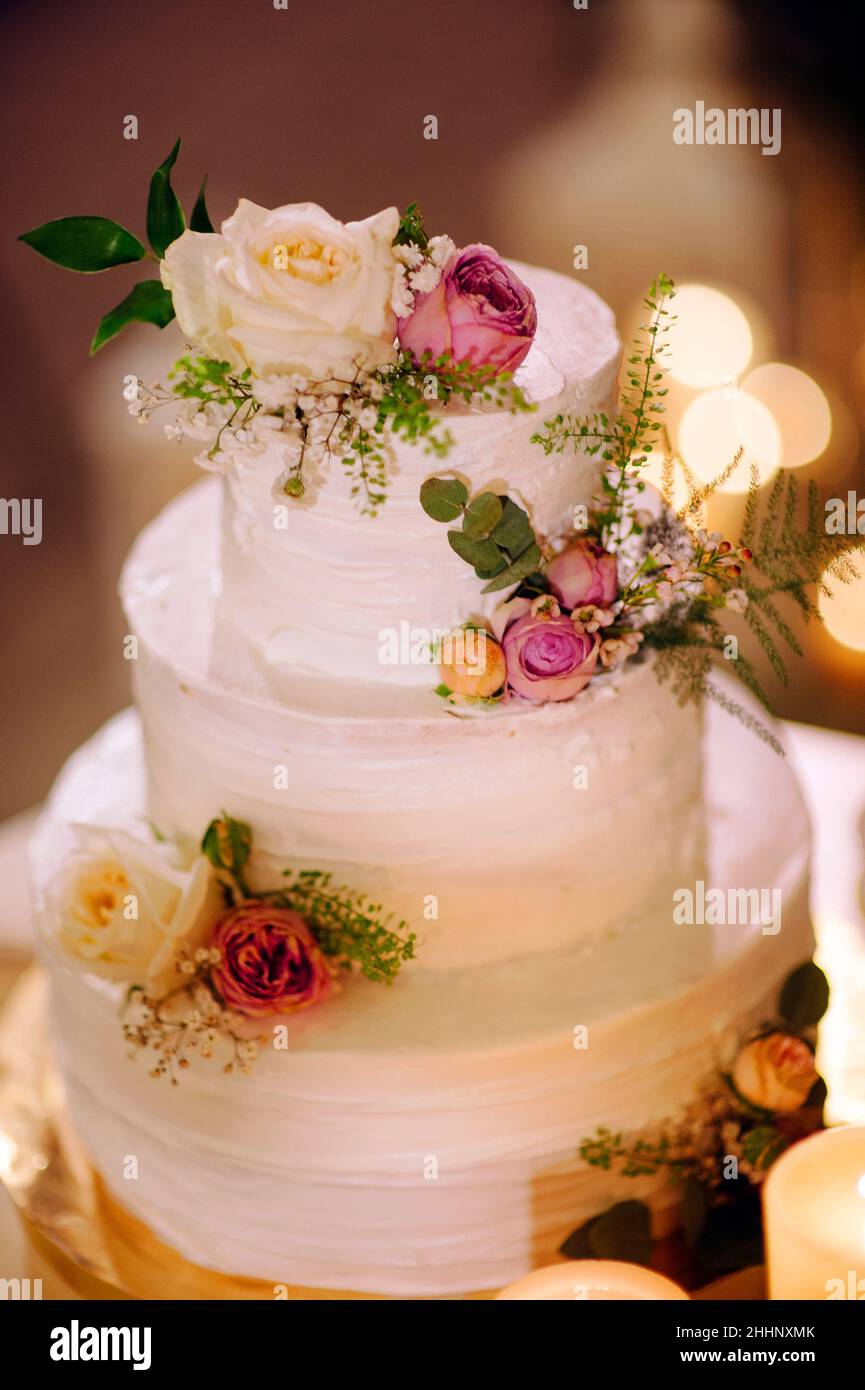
(480, 312)
(271, 962)
(584, 573)
(547, 658)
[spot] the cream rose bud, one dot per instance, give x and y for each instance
(288, 290)
(120, 907)
(775, 1072)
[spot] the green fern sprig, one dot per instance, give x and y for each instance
(625, 442)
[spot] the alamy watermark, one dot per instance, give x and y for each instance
(22, 516)
(735, 126)
(724, 907)
(421, 646)
(845, 516)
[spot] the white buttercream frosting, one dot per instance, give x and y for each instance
(313, 584)
(423, 1139)
(470, 828)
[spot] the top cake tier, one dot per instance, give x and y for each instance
(313, 587)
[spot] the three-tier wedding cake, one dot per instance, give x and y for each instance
(375, 1072)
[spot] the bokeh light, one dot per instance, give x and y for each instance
(716, 424)
(711, 341)
(843, 611)
(799, 406)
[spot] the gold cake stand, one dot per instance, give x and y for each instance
(90, 1242)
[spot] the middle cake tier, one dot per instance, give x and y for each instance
(493, 834)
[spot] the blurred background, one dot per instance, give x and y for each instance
(554, 131)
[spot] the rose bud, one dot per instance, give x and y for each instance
(480, 312)
(270, 962)
(473, 664)
(547, 658)
(775, 1072)
(583, 574)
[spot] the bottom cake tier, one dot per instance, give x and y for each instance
(424, 1139)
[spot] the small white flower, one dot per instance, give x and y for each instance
(375, 390)
(590, 617)
(736, 600)
(409, 254)
(368, 417)
(440, 249)
(173, 431)
(662, 556)
(545, 606)
(136, 406)
(425, 278)
(401, 297)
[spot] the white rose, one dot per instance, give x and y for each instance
(120, 907)
(292, 290)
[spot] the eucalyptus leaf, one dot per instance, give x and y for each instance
(514, 530)
(148, 302)
(199, 220)
(623, 1233)
(443, 498)
(85, 244)
(805, 996)
(762, 1145)
(165, 220)
(483, 555)
(516, 571)
(481, 515)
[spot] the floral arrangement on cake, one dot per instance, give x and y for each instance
(639, 574)
(212, 965)
(326, 339)
(765, 1096)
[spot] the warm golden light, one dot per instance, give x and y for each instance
(716, 424)
(799, 406)
(843, 611)
(710, 342)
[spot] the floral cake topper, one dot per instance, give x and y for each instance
(325, 339)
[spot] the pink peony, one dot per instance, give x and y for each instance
(584, 573)
(271, 962)
(547, 658)
(480, 312)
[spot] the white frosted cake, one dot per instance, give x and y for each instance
(420, 1137)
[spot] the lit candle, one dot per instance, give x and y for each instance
(814, 1217)
(591, 1280)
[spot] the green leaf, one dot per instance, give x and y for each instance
(761, 1146)
(165, 220)
(148, 302)
(481, 515)
(443, 498)
(411, 228)
(483, 555)
(86, 244)
(804, 996)
(227, 843)
(514, 531)
(623, 1233)
(200, 219)
(522, 566)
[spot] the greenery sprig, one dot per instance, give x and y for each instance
(625, 442)
(349, 928)
(788, 554)
(92, 244)
(496, 537)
